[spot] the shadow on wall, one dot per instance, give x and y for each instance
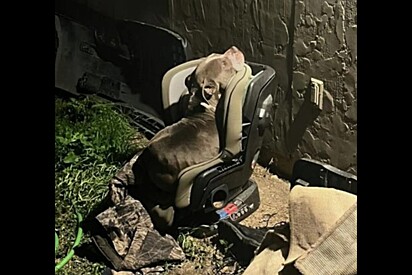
(289, 135)
(307, 114)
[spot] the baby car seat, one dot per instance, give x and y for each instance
(221, 188)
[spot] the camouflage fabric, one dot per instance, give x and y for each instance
(121, 221)
(156, 201)
(130, 241)
(118, 186)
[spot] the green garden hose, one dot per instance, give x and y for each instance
(70, 254)
(56, 243)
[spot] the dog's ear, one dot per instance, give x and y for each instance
(236, 57)
(189, 81)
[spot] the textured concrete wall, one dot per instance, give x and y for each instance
(150, 11)
(261, 29)
(300, 39)
(325, 48)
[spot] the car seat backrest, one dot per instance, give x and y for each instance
(174, 88)
(228, 119)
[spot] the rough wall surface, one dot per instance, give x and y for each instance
(325, 48)
(300, 39)
(149, 11)
(261, 29)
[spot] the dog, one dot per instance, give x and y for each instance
(191, 140)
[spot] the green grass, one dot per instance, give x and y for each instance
(93, 139)
(203, 256)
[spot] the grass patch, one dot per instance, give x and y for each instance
(201, 252)
(93, 139)
(207, 256)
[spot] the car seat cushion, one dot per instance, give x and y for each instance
(230, 131)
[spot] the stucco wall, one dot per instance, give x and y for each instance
(300, 39)
(325, 48)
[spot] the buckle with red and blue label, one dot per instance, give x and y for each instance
(228, 210)
(235, 210)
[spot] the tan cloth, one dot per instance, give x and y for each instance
(312, 212)
(335, 251)
(323, 235)
(267, 262)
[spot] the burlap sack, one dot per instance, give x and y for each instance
(323, 235)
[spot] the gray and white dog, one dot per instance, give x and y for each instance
(191, 140)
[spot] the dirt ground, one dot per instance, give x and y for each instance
(274, 193)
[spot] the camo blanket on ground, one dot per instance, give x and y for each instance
(127, 237)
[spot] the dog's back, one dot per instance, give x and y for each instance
(192, 140)
(189, 141)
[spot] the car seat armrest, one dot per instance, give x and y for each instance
(186, 177)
